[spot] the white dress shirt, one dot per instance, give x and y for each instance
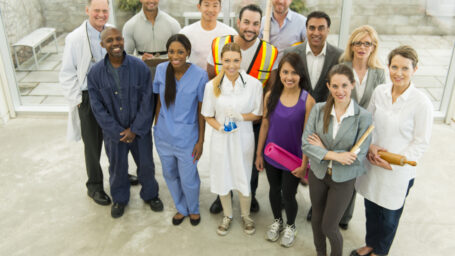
(315, 63)
(336, 124)
(404, 128)
(360, 86)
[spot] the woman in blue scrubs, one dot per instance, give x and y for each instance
(179, 126)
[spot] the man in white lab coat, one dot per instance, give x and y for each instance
(82, 50)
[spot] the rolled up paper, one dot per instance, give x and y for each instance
(395, 159)
(282, 156)
(362, 139)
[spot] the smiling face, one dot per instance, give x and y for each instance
(288, 76)
(209, 9)
(98, 13)
(281, 6)
(249, 25)
(231, 63)
(150, 5)
(360, 49)
(340, 88)
(401, 71)
(177, 54)
(317, 31)
(112, 41)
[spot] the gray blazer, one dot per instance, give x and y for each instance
(351, 129)
(375, 77)
(320, 91)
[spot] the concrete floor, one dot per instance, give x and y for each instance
(45, 209)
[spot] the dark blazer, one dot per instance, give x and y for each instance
(351, 129)
(320, 91)
(375, 77)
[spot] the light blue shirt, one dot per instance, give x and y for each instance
(178, 125)
(292, 31)
(98, 52)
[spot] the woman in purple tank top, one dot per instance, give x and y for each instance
(286, 110)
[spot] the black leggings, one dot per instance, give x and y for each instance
(282, 181)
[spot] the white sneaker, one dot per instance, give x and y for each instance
(223, 228)
(248, 225)
(289, 235)
(274, 231)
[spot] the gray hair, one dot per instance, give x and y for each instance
(89, 2)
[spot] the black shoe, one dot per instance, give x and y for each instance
(254, 205)
(343, 226)
(195, 222)
(176, 221)
(216, 206)
(310, 213)
(100, 197)
(355, 253)
(155, 204)
(117, 210)
(133, 180)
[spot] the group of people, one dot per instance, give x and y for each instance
(296, 91)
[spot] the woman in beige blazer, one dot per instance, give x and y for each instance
(361, 55)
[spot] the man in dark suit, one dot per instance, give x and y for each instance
(318, 57)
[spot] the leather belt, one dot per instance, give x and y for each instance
(154, 53)
(329, 171)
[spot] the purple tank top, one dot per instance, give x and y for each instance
(286, 128)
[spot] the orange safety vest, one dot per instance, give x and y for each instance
(260, 66)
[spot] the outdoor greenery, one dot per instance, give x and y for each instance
(299, 6)
(129, 5)
(134, 6)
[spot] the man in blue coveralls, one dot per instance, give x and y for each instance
(120, 90)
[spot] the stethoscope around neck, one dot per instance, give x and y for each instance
(241, 78)
(92, 59)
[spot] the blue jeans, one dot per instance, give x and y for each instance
(382, 225)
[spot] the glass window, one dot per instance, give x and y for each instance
(427, 26)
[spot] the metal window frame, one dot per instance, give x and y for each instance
(445, 112)
(446, 109)
(5, 53)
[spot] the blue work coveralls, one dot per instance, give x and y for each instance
(117, 107)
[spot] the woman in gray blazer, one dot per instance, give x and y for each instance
(332, 130)
(361, 55)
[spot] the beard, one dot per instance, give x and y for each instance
(248, 40)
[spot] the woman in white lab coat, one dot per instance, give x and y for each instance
(236, 95)
(403, 118)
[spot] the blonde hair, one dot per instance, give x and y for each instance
(229, 47)
(357, 35)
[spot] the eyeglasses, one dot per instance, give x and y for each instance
(366, 44)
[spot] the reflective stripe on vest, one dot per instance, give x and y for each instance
(217, 46)
(261, 65)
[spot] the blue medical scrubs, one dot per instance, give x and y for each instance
(176, 134)
(122, 98)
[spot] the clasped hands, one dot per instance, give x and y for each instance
(127, 136)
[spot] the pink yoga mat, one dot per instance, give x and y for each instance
(282, 156)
